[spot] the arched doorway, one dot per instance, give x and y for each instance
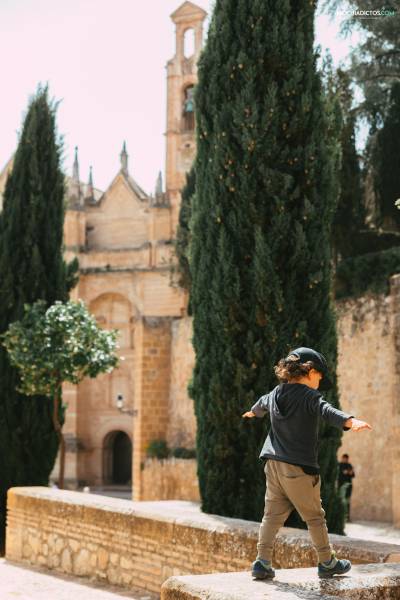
(117, 465)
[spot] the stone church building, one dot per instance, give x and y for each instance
(123, 239)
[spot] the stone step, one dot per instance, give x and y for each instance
(363, 582)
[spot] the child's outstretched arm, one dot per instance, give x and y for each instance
(260, 408)
(337, 417)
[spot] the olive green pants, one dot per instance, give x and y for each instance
(289, 487)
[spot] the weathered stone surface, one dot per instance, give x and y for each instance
(66, 561)
(368, 379)
(170, 479)
(364, 582)
(118, 540)
(82, 562)
(102, 558)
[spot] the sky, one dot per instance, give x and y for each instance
(105, 62)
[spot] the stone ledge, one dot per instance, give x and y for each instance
(291, 543)
(115, 540)
(364, 582)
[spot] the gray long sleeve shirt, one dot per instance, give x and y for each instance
(295, 410)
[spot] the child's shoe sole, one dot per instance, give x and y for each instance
(262, 575)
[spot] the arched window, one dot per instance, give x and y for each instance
(188, 108)
(189, 43)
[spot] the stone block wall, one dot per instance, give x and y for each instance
(368, 377)
(170, 479)
(181, 419)
(144, 543)
(151, 380)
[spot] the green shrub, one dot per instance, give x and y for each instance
(157, 449)
(181, 452)
(367, 273)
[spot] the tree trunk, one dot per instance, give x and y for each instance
(57, 427)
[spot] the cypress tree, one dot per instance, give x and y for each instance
(387, 164)
(31, 268)
(260, 249)
(350, 213)
(182, 242)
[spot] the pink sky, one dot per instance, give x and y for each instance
(105, 61)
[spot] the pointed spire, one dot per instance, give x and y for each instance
(159, 185)
(124, 159)
(90, 189)
(76, 196)
(75, 167)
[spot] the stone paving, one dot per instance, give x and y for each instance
(374, 531)
(24, 583)
(364, 582)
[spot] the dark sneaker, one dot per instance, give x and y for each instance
(262, 569)
(339, 567)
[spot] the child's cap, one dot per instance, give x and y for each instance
(319, 360)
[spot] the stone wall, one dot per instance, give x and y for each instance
(181, 419)
(144, 543)
(369, 384)
(151, 380)
(369, 387)
(170, 479)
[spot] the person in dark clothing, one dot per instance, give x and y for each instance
(295, 407)
(345, 482)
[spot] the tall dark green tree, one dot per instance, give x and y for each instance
(260, 249)
(31, 268)
(386, 164)
(350, 213)
(182, 242)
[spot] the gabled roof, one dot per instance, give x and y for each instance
(132, 184)
(188, 11)
(136, 187)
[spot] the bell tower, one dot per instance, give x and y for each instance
(181, 79)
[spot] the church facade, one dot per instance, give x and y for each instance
(123, 239)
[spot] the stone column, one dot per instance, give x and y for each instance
(393, 420)
(152, 383)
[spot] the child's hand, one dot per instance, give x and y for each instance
(249, 414)
(357, 425)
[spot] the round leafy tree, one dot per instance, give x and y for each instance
(60, 344)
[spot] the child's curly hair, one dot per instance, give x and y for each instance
(290, 368)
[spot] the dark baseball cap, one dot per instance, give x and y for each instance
(319, 360)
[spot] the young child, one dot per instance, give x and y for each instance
(291, 452)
